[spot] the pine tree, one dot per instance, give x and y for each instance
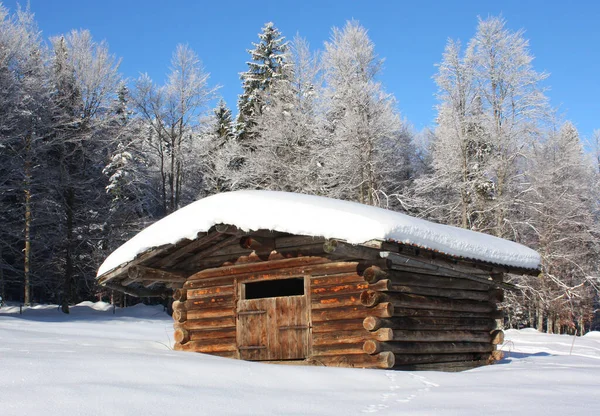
(219, 152)
(266, 66)
(287, 142)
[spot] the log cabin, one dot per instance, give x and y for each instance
(289, 278)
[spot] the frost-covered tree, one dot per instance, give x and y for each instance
(491, 110)
(287, 145)
(24, 110)
(266, 66)
(560, 219)
(361, 123)
(84, 81)
(132, 197)
(172, 112)
(219, 152)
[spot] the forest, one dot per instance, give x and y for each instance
(88, 158)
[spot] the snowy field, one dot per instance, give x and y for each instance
(94, 362)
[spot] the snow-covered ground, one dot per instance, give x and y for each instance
(94, 362)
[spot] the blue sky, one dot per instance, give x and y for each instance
(564, 38)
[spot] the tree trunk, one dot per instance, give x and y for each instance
(27, 230)
(2, 287)
(540, 319)
(68, 276)
(550, 324)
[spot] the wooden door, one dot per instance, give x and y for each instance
(253, 328)
(292, 328)
(275, 328)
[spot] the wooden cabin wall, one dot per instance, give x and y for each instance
(204, 310)
(437, 322)
(365, 313)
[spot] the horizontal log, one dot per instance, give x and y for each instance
(426, 280)
(441, 267)
(496, 355)
(258, 244)
(217, 301)
(338, 349)
(335, 301)
(457, 294)
(413, 312)
(336, 279)
(212, 291)
(374, 347)
(344, 289)
(323, 270)
(383, 310)
(407, 359)
(373, 323)
(449, 367)
(337, 326)
(201, 346)
(296, 241)
(371, 298)
(202, 240)
(211, 312)
(340, 249)
(382, 360)
(401, 335)
(183, 335)
(159, 275)
(258, 267)
(210, 250)
(220, 322)
(209, 282)
(342, 337)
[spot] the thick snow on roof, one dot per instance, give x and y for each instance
(320, 217)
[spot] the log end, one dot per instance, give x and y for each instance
(179, 315)
(372, 347)
(387, 359)
(496, 356)
(373, 274)
(370, 298)
(497, 337)
(180, 295)
(372, 323)
(181, 336)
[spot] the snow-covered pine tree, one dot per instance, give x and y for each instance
(132, 200)
(287, 145)
(268, 59)
(218, 152)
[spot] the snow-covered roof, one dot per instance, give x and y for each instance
(320, 217)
